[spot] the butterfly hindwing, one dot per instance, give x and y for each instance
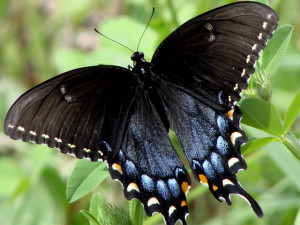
(77, 112)
(211, 141)
(148, 166)
(213, 55)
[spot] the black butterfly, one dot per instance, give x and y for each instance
(123, 116)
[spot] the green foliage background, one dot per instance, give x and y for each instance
(40, 39)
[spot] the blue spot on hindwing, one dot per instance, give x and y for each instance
(208, 169)
(163, 189)
(130, 168)
(147, 183)
(222, 123)
(222, 145)
(217, 162)
(174, 187)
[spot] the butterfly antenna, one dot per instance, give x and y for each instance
(113, 40)
(137, 49)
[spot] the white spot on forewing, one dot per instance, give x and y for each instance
(71, 145)
(70, 98)
(20, 128)
(236, 87)
(209, 26)
(32, 132)
(248, 58)
(63, 89)
(232, 161)
(211, 38)
(229, 98)
(269, 16)
(45, 136)
(86, 149)
(264, 25)
(260, 36)
(254, 47)
(227, 182)
(58, 140)
(152, 201)
(243, 197)
(10, 126)
(171, 210)
(243, 72)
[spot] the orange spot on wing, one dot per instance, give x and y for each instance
(203, 179)
(185, 187)
(230, 114)
(183, 203)
(215, 187)
(133, 186)
(117, 167)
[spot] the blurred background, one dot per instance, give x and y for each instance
(42, 38)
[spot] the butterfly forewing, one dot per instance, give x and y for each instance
(213, 55)
(78, 112)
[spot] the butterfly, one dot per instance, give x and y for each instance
(122, 116)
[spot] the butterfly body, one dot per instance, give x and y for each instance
(122, 116)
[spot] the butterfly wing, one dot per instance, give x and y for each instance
(211, 141)
(100, 113)
(148, 166)
(204, 65)
(213, 55)
(80, 112)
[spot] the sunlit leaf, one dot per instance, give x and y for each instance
(292, 113)
(261, 115)
(85, 177)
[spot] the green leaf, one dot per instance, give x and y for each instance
(85, 177)
(292, 113)
(136, 212)
(276, 48)
(90, 217)
(95, 205)
(108, 214)
(261, 115)
(292, 143)
(257, 143)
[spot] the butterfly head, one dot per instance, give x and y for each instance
(137, 57)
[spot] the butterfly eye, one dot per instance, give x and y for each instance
(137, 56)
(140, 55)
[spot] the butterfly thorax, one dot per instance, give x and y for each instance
(142, 70)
